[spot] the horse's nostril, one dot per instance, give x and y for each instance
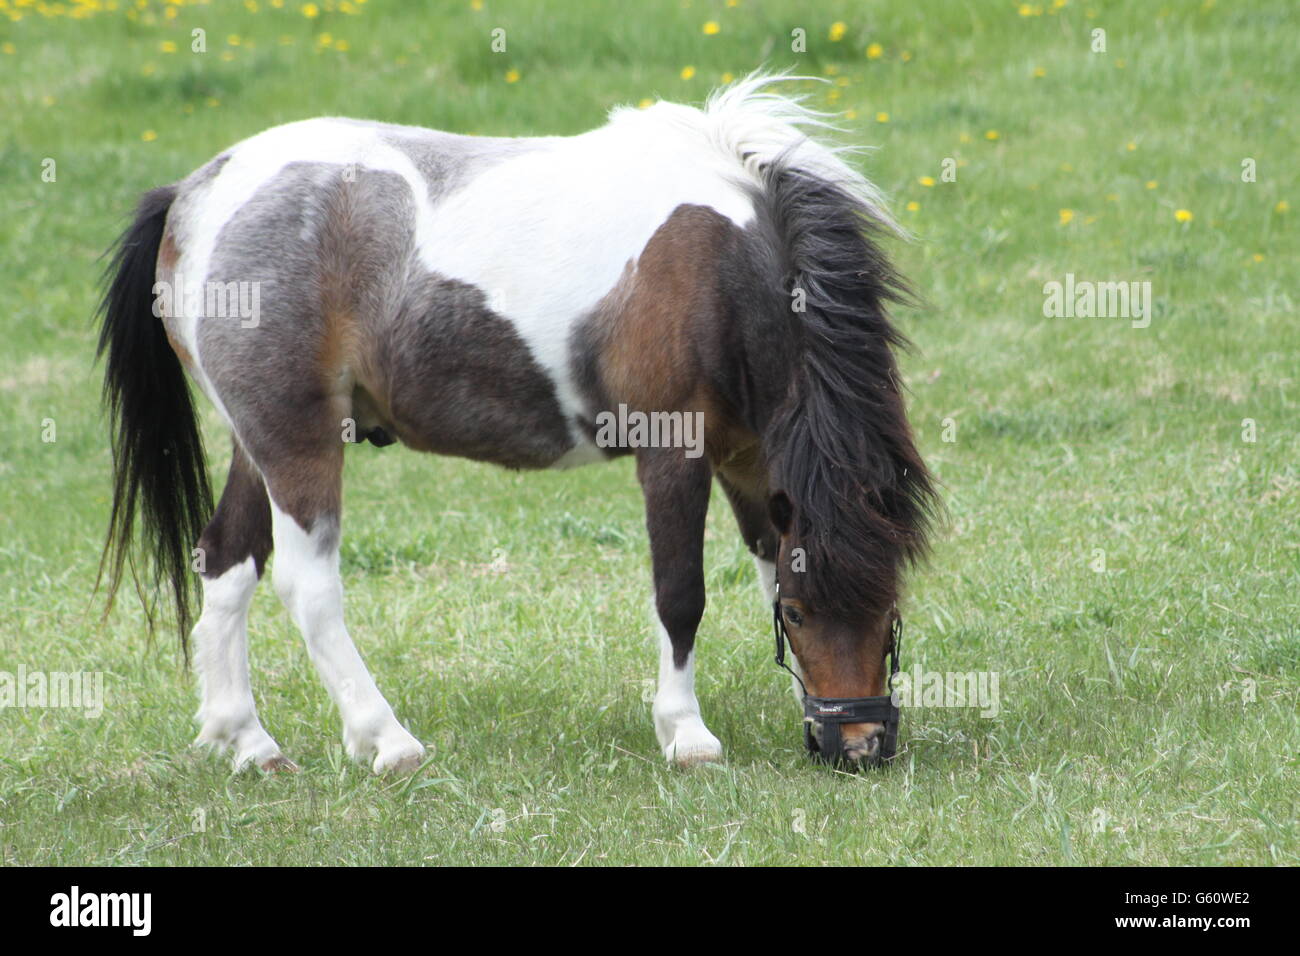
(865, 748)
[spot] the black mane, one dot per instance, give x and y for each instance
(840, 445)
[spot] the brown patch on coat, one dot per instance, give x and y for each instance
(645, 344)
(241, 526)
(345, 247)
(308, 487)
(168, 252)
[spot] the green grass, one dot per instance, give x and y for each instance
(529, 685)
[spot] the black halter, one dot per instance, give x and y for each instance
(831, 712)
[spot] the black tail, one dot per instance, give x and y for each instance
(158, 464)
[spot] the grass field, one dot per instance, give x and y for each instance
(1117, 548)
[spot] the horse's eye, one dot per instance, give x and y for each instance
(793, 616)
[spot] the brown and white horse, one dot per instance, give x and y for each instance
(530, 302)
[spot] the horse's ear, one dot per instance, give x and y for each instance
(781, 511)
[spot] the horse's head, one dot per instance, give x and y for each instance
(840, 657)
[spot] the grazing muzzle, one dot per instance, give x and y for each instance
(824, 717)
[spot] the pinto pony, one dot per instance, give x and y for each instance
(500, 299)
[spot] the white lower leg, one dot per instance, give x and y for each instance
(678, 725)
(227, 714)
(306, 576)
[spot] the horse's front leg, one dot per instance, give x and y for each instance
(676, 492)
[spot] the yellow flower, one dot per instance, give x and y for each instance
(1183, 215)
(905, 56)
(992, 134)
(1039, 72)
(341, 45)
(1282, 206)
(913, 206)
(476, 4)
(850, 114)
(646, 103)
(838, 29)
(227, 55)
(688, 72)
(512, 76)
(711, 28)
(212, 101)
(1131, 146)
(233, 39)
(167, 46)
(1152, 184)
(9, 49)
(1258, 257)
(310, 11)
(1112, 197)
(148, 136)
(148, 69)
(926, 180)
(250, 6)
(727, 77)
(882, 117)
(1066, 215)
(875, 51)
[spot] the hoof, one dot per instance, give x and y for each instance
(397, 752)
(245, 737)
(693, 749)
(278, 764)
(399, 765)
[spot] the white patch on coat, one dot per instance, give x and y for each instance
(766, 578)
(227, 714)
(678, 724)
(306, 576)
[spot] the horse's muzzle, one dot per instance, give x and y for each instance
(823, 730)
(824, 718)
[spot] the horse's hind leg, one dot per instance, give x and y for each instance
(233, 550)
(676, 492)
(305, 484)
